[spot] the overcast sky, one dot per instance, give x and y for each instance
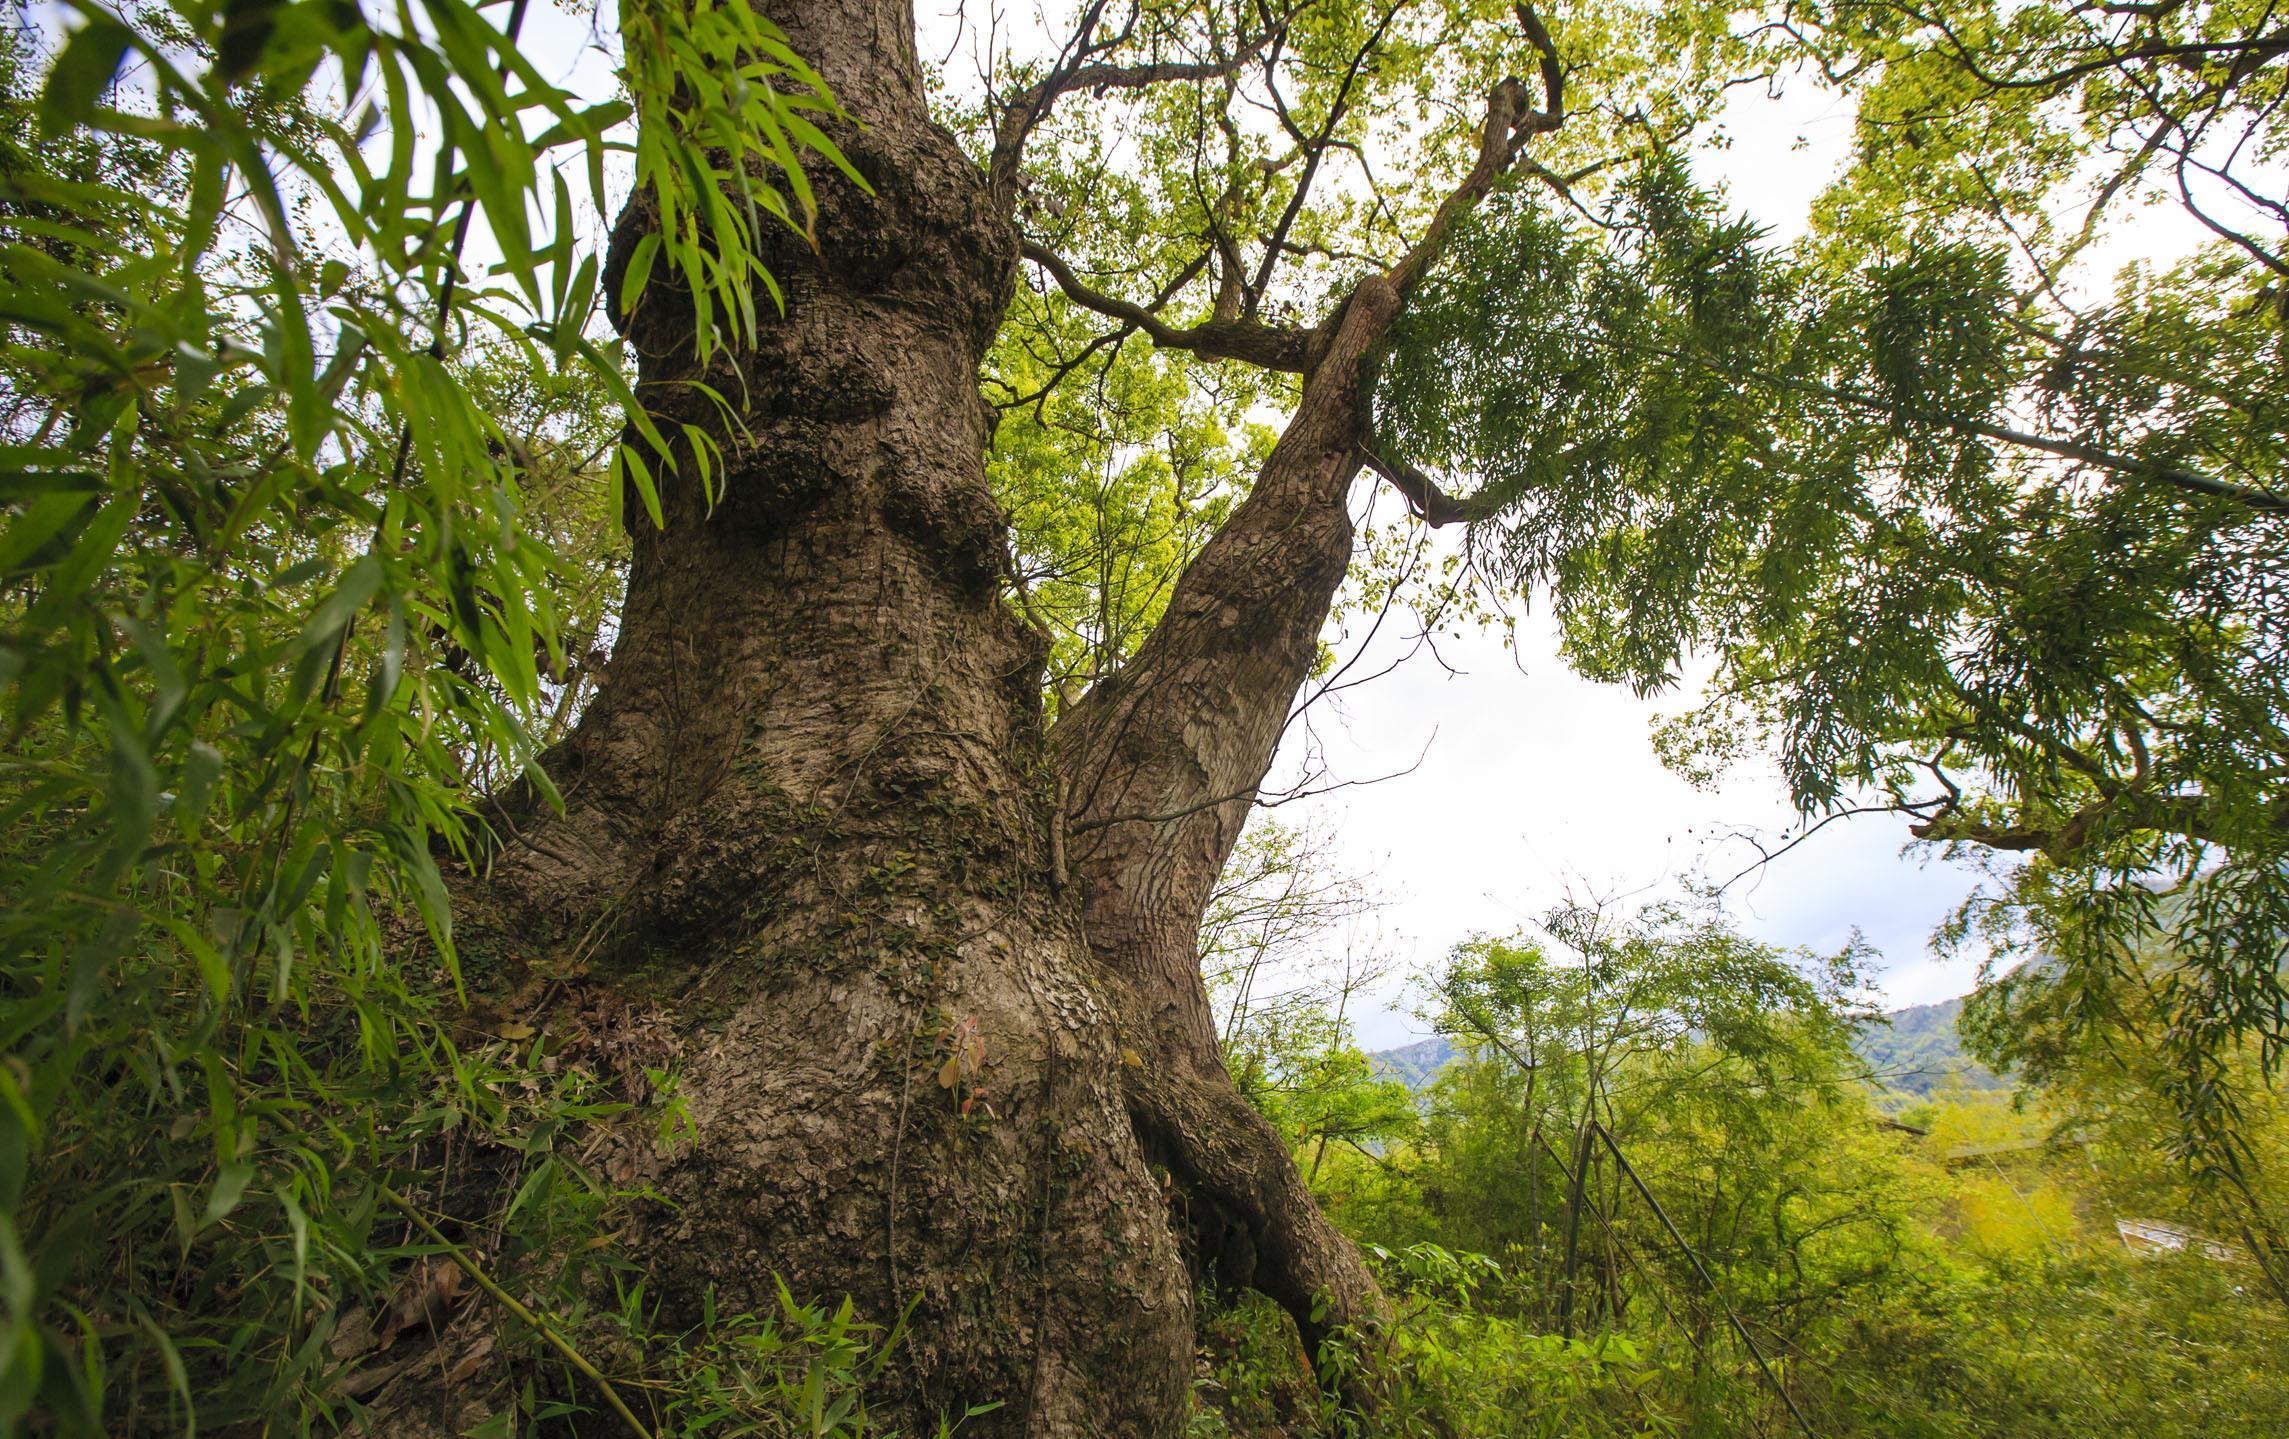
(1532, 781)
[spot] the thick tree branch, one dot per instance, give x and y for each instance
(2188, 816)
(1159, 763)
(1510, 123)
(1274, 347)
(1430, 504)
(1241, 629)
(1156, 764)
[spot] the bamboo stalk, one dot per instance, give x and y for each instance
(470, 1267)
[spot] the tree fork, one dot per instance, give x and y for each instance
(1162, 763)
(1163, 760)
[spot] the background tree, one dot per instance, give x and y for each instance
(2108, 1084)
(1286, 964)
(1958, 1272)
(1650, 1027)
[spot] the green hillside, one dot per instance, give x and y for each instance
(1917, 1048)
(1415, 1065)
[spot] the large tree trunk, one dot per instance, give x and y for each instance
(813, 813)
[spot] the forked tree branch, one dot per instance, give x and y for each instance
(1274, 347)
(1313, 151)
(1267, 570)
(1510, 123)
(2189, 816)
(1159, 764)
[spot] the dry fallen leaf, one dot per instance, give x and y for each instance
(353, 1333)
(421, 1301)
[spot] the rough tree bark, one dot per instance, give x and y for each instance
(943, 1036)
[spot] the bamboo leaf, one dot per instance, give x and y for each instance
(83, 71)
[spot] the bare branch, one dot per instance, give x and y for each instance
(1502, 137)
(1767, 856)
(1314, 149)
(1255, 796)
(1074, 71)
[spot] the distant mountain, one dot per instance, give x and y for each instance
(1414, 1065)
(1916, 1052)
(1910, 1056)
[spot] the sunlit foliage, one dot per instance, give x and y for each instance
(2012, 571)
(1954, 1270)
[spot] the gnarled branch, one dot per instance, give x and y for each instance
(1274, 347)
(1431, 504)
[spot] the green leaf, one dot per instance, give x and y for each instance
(360, 583)
(25, 545)
(639, 271)
(83, 72)
(229, 1188)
